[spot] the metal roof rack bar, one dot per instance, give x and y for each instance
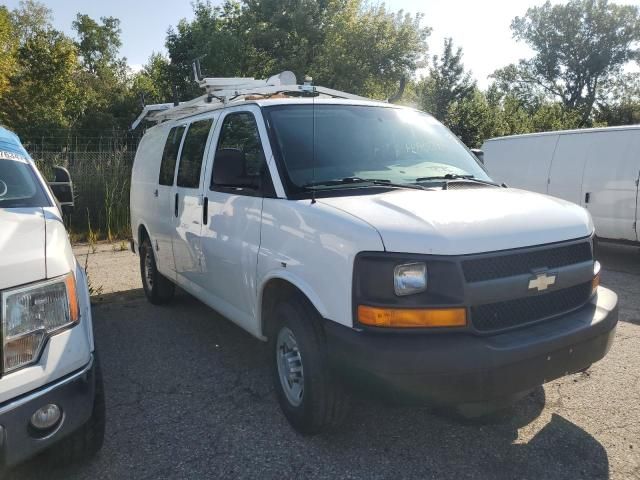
(223, 91)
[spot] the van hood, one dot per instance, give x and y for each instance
(33, 246)
(466, 221)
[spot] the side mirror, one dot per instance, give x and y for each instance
(229, 170)
(479, 154)
(62, 188)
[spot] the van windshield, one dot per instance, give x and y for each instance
(19, 186)
(356, 143)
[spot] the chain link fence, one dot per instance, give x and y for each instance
(101, 182)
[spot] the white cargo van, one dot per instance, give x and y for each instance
(51, 394)
(596, 168)
(367, 245)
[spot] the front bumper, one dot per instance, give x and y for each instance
(74, 394)
(456, 368)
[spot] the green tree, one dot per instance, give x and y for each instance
(98, 44)
(619, 103)
(30, 18)
(578, 47)
(447, 82)
(43, 93)
(368, 50)
(8, 50)
(153, 82)
(341, 43)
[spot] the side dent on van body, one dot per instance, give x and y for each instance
(313, 246)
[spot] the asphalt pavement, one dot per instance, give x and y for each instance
(189, 395)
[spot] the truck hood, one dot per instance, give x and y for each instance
(33, 246)
(460, 222)
(22, 246)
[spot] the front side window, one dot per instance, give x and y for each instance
(366, 143)
(239, 160)
(170, 156)
(192, 153)
(19, 185)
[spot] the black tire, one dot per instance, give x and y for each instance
(323, 403)
(86, 442)
(158, 289)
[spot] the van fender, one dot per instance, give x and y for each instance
(297, 282)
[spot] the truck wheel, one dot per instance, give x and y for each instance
(157, 287)
(86, 442)
(311, 400)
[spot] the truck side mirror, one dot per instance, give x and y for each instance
(62, 188)
(479, 154)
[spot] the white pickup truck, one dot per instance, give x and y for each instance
(367, 245)
(51, 394)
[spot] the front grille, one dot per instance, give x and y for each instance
(511, 264)
(513, 313)
(461, 185)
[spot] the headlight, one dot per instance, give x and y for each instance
(410, 278)
(31, 314)
(595, 283)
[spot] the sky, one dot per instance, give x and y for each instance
(481, 28)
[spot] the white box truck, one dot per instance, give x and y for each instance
(597, 168)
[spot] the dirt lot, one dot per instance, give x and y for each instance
(189, 396)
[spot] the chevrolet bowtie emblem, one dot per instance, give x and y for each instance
(542, 281)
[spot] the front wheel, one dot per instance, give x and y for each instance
(310, 398)
(157, 287)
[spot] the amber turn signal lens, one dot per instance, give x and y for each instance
(408, 318)
(74, 306)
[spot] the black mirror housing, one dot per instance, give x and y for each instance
(62, 188)
(479, 154)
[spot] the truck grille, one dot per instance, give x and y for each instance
(513, 313)
(511, 264)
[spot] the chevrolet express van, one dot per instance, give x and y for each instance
(367, 245)
(51, 395)
(596, 168)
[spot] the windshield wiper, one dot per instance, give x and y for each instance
(455, 176)
(366, 181)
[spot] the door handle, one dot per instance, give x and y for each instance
(155, 193)
(175, 207)
(205, 211)
(587, 197)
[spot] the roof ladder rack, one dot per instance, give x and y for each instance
(222, 91)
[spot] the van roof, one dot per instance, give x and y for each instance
(567, 132)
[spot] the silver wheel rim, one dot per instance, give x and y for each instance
(290, 368)
(148, 269)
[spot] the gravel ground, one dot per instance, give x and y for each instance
(189, 396)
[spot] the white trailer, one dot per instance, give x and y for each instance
(596, 168)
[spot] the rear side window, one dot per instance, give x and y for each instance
(192, 153)
(170, 155)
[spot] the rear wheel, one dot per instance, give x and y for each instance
(157, 287)
(310, 398)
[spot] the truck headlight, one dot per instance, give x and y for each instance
(410, 278)
(32, 314)
(595, 283)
